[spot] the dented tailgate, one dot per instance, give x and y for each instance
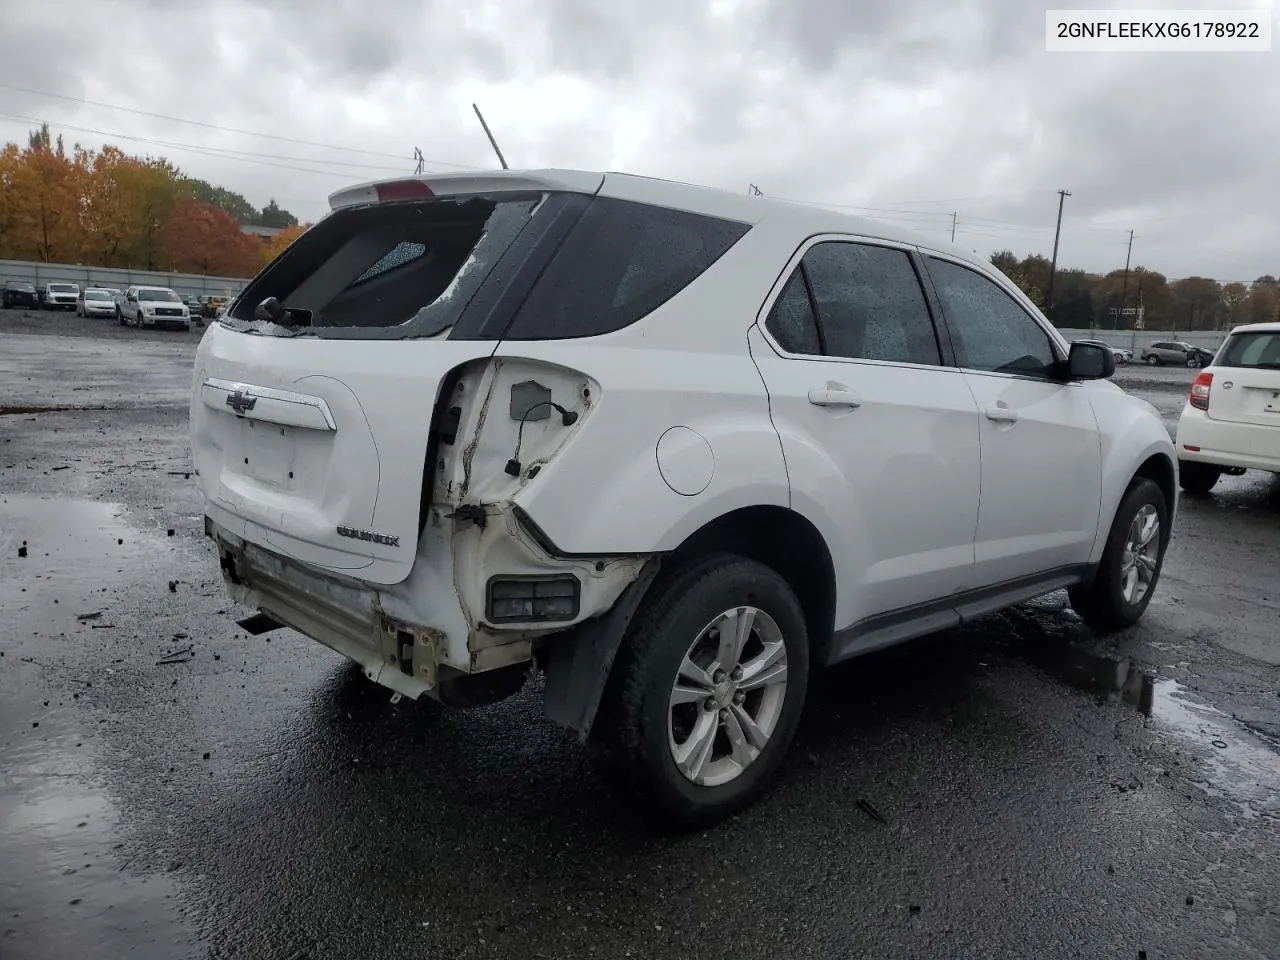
(315, 448)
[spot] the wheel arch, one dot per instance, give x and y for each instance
(580, 665)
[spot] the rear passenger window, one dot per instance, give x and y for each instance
(791, 321)
(621, 261)
(870, 305)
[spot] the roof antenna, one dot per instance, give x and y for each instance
(492, 142)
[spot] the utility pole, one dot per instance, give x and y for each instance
(1124, 285)
(492, 142)
(753, 190)
(953, 226)
(417, 155)
(1053, 265)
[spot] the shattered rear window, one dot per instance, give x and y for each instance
(386, 271)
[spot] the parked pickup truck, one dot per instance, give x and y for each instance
(59, 296)
(152, 307)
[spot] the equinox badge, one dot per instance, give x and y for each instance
(369, 535)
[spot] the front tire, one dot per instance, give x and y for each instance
(708, 689)
(1131, 561)
(1197, 478)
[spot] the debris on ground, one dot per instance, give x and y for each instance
(173, 586)
(88, 616)
(22, 550)
(871, 811)
(185, 655)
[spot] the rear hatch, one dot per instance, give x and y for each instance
(313, 396)
(1246, 379)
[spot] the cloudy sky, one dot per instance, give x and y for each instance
(906, 110)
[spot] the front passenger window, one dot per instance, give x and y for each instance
(993, 332)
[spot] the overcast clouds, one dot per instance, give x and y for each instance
(870, 103)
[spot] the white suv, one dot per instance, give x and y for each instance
(1231, 421)
(674, 446)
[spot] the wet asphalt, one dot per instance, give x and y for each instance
(172, 787)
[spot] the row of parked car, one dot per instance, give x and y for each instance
(135, 306)
(1171, 352)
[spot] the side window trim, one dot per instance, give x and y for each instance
(1014, 294)
(813, 307)
(941, 334)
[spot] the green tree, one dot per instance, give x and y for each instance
(276, 216)
(228, 201)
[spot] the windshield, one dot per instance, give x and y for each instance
(23, 287)
(97, 295)
(64, 288)
(166, 295)
(1260, 349)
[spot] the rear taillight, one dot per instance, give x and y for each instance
(1200, 391)
(403, 190)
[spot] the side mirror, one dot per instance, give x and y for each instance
(269, 310)
(1090, 361)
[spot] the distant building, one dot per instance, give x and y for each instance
(262, 233)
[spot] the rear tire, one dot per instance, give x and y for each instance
(668, 694)
(1153, 361)
(1197, 478)
(1131, 561)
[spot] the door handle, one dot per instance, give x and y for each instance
(834, 397)
(1002, 415)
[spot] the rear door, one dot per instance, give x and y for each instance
(1246, 380)
(855, 371)
(313, 397)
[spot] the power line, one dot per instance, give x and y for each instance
(214, 152)
(214, 126)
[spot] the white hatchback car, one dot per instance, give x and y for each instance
(674, 446)
(1231, 421)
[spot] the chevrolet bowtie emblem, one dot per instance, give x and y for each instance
(240, 402)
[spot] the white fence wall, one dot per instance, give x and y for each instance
(185, 284)
(1135, 340)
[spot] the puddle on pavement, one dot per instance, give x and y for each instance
(1225, 759)
(60, 558)
(63, 890)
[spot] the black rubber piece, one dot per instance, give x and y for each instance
(635, 714)
(1101, 604)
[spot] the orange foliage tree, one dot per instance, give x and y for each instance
(200, 238)
(111, 209)
(279, 243)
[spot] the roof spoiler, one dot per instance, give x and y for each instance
(469, 183)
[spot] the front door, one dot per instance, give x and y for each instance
(1041, 448)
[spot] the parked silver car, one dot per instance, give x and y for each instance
(1175, 352)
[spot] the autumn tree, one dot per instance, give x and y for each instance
(47, 186)
(279, 243)
(200, 238)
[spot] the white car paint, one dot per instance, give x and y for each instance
(1241, 427)
(935, 480)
